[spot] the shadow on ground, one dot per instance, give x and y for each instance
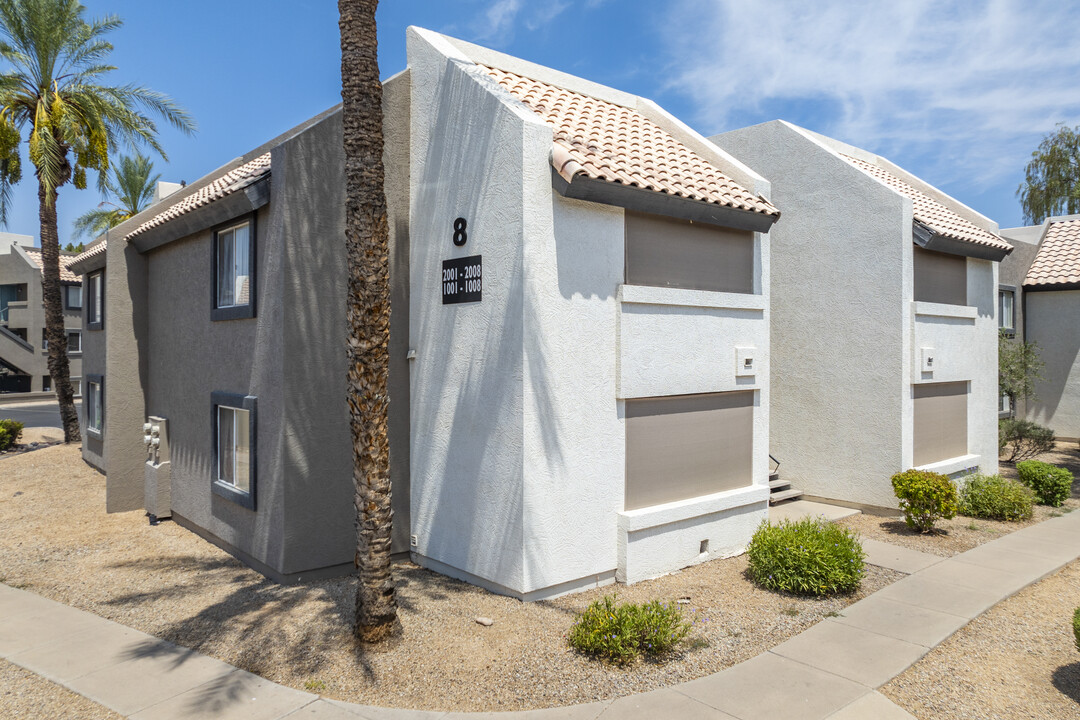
(1067, 680)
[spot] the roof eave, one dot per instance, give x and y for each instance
(224, 209)
(1049, 287)
(929, 239)
(89, 264)
(583, 187)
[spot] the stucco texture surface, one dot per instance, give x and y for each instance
(1052, 320)
(190, 356)
(838, 356)
(467, 392)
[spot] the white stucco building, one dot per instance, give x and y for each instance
(884, 328)
(589, 328)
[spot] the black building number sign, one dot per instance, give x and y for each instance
(462, 280)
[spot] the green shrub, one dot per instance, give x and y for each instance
(925, 497)
(1076, 627)
(807, 557)
(622, 632)
(1051, 484)
(1026, 438)
(10, 432)
(995, 497)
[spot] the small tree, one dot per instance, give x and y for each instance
(1019, 368)
(1052, 179)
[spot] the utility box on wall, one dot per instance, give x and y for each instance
(158, 490)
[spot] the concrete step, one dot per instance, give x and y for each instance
(782, 495)
(777, 484)
(774, 475)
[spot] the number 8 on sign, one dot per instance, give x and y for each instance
(460, 236)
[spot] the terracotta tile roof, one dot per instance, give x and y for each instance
(605, 141)
(92, 251)
(236, 179)
(65, 260)
(932, 213)
(1058, 259)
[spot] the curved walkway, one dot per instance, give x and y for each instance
(832, 670)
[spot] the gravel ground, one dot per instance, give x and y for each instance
(58, 542)
(963, 533)
(1017, 660)
(26, 695)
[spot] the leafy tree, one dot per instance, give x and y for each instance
(53, 89)
(1019, 368)
(132, 185)
(1052, 179)
(367, 239)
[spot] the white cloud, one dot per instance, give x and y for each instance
(499, 21)
(978, 83)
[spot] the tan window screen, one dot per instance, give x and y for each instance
(940, 278)
(687, 445)
(666, 252)
(940, 421)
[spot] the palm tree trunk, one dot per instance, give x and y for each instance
(54, 314)
(367, 243)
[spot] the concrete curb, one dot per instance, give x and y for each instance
(830, 671)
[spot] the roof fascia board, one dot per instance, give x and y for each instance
(1052, 287)
(231, 206)
(927, 239)
(121, 230)
(650, 201)
(90, 264)
(730, 165)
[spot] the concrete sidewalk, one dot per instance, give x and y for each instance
(831, 670)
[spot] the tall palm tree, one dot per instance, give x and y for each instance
(367, 240)
(53, 89)
(133, 188)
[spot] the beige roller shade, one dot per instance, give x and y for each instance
(940, 421)
(666, 252)
(686, 446)
(939, 277)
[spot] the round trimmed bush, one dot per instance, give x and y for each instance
(924, 498)
(996, 498)
(806, 557)
(1052, 484)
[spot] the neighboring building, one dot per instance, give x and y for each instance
(579, 343)
(1044, 283)
(24, 353)
(884, 319)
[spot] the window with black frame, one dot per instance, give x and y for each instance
(233, 269)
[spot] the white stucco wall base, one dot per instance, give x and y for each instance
(657, 540)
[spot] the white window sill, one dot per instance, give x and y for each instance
(642, 518)
(952, 465)
(930, 309)
(648, 295)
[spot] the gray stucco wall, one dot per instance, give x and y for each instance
(1013, 269)
(126, 355)
(1052, 321)
(190, 357)
(837, 334)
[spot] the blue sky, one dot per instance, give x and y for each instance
(958, 93)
